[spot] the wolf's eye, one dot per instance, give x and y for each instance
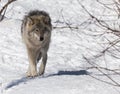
(36, 30)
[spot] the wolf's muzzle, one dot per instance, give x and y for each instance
(41, 38)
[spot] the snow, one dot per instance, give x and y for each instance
(66, 68)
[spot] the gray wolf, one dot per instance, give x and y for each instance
(36, 34)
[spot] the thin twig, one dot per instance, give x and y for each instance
(63, 27)
(101, 22)
(5, 8)
(99, 69)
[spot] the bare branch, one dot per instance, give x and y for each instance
(100, 22)
(4, 8)
(99, 69)
(63, 27)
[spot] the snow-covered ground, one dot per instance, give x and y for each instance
(66, 68)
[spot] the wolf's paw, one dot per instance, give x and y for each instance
(31, 74)
(41, 72)
(28, 74)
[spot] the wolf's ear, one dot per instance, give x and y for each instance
(47, 20)
(30, 21)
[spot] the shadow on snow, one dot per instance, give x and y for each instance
(60, 73)
(24, 80)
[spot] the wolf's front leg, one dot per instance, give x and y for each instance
(43, 64)
(32, 69)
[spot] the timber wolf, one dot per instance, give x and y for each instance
(36, 34)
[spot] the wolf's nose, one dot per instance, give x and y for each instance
(41, 38)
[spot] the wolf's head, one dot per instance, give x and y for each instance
(39, 27)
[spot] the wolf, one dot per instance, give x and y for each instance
(36, 31)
